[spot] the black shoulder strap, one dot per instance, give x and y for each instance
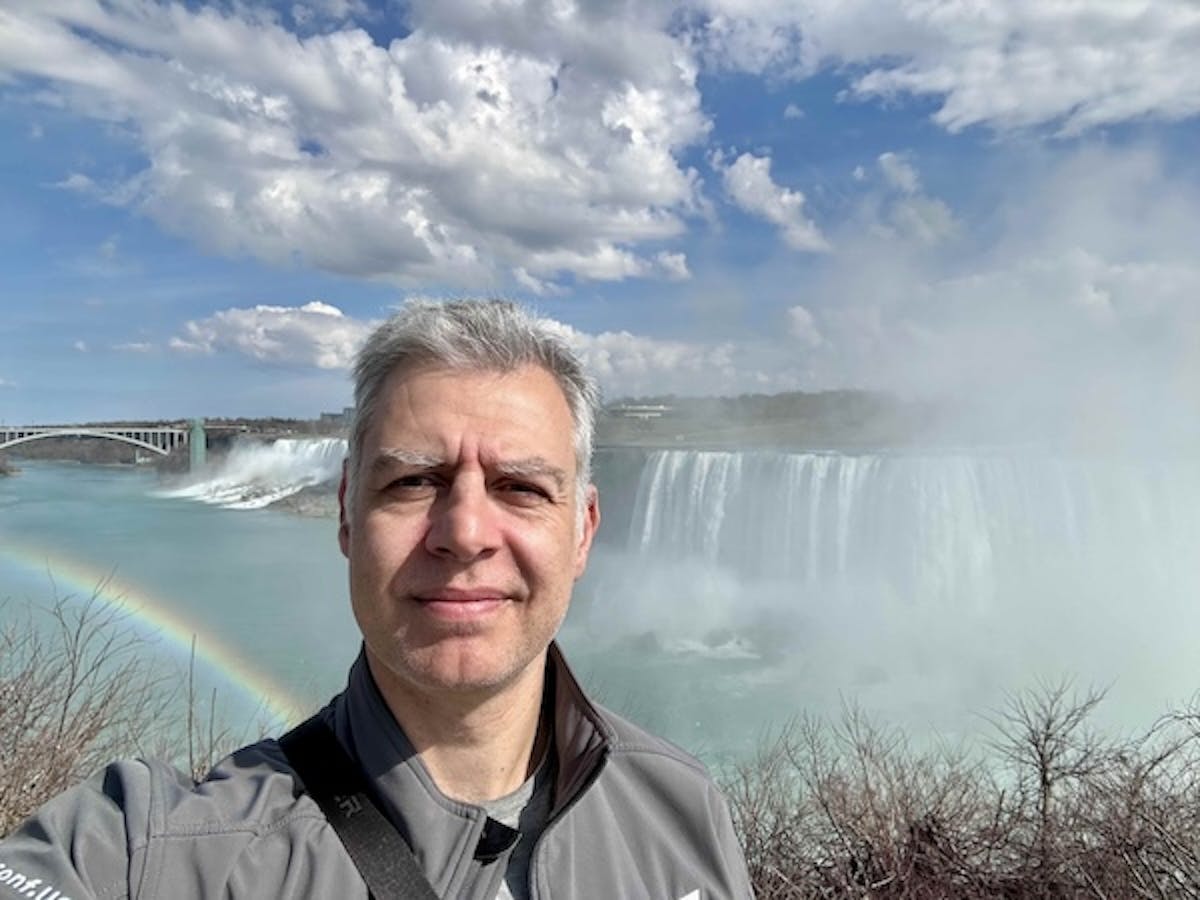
(333, 780)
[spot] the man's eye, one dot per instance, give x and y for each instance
(525, 491)
(412, 483)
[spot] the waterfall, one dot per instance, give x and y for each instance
(255, 474)
(940, 530)
(928, 584)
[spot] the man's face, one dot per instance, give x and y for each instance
(464, 535)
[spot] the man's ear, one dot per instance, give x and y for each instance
(590, 522)
(343, 517)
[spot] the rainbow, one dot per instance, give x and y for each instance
(78, 580)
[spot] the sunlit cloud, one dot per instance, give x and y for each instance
(315, 334)
(442, 157)
(1007, 65)
(749, 184)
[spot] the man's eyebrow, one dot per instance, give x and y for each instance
(390, 456)
(529, 467)
(533, 467)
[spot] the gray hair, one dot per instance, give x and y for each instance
(473, 335)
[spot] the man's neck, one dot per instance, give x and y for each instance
(478, 746)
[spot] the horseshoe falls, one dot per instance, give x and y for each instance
(730, 588)
(727, 592)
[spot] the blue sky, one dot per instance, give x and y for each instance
(203, 207)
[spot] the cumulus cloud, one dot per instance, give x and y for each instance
(134, 347)
(5, 383)
(315, 334)
(673, 266)
(76, 181)
(899, 173)
(79, 346)
(749, 184)
(908, 211)
(321, 336)
(630, 364)
(1011, 64)
(803, 327)
(535, 285)
(485, 140)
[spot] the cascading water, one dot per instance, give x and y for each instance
(730, 590)
(256, 474)
(943, 531)
(924, 586)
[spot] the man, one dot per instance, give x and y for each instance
(467, 514)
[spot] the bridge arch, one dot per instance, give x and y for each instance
(85, 432)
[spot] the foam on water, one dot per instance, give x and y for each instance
(256, 474)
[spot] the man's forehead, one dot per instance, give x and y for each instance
(404, 373)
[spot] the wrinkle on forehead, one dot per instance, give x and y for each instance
(525, 467)
(389, 455)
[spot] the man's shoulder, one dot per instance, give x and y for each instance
(253, 789)
(142, 821)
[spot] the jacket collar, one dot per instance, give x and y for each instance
(362, 721)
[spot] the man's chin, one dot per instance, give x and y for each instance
(458, 666)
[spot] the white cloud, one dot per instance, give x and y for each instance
(748, 182)
(906, 211)
(1076, 315)
(535, 285)
(36, 132)
(76, 181)
(487, 139)
(629, 364)
(134, 347)
(321, 336)
(315, 12)
(899, 173)
(803, 327)
(315, 334)
(673, 266)
(792, 111)
(5, 383)
(80, 346)
(1009, 64)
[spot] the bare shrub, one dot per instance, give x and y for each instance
(79, 688)
(1052, 810)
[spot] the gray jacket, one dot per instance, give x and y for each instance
(633, 817)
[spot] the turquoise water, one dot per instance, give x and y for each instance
(264, 594)
(727, 593)
(265, 588)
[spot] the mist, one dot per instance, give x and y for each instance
(1043, 525)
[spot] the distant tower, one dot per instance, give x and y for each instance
(198, 446)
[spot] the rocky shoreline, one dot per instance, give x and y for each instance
(318, 501)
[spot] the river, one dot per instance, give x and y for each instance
(727, 593)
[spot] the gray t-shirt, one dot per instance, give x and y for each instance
(526, 809)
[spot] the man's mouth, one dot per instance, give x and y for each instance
(454, 604)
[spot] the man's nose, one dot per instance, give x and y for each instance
(463, 522)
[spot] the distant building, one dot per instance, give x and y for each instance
(639, 410)
(338, 419)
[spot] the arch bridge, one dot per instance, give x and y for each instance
(160, 439)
